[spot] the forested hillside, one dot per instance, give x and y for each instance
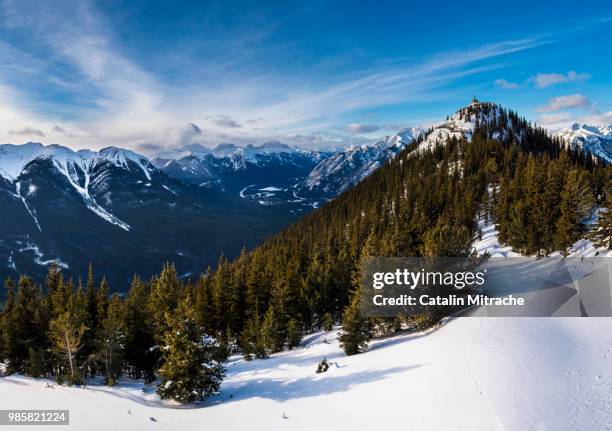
(424, 202)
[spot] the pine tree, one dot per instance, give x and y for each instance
(189, 371)
(576, 202)
(102, 300)
(141, 354)
(355, 333)
(447, 241)
(272, 331)
(9, 332)
(111, 340)
(163, 298)
(293, 334)
(252, 341)
(66, 333)
(328, 322)
(601, 233)
(27, 321)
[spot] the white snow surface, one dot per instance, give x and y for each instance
(469, 374)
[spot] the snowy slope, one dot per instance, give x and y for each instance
(596, 140)
(469, 374)
(77, 167)
(346, 168)
(460, 125)
(14, 158)
(268, 153)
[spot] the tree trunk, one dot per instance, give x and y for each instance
(69, 356)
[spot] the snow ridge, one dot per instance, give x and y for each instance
(460, 125)
(76, 166)
(596, 140)
(346, 168)
(14, 158)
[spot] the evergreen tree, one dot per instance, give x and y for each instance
(328, 322)
(293, 334)
(252, 340)
(355, 333)
(576, 202)
(601, 233)
(272, 331)
(140, 353)
(27, 323)
(447, 241)
(189, 371)
(163, 298)
(111, 340)
(102, 300)
(66, 333)
(9, 331)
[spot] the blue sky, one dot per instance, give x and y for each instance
(155, 76)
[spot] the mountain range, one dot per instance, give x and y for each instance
(596, 140)
(127, 213)
(116, 209)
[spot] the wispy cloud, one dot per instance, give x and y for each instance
(362, 128)
(565, 102)
(543, 80)
(28, 131)
(554, 120)
(226, 121)
(107, 97)
(504, 83)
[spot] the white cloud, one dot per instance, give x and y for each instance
(543, 80)
(555, 120)
(28, 131)
(226, 121)
(504, 83)
(565, 102)
(362, 128)
(559, 120)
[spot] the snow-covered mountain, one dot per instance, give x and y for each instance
(73, 207)
(233, 167)
(596, 140)
(346, 168)
(14, 158)
(264, 174)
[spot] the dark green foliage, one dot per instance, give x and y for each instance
(272, 331)
(294, 334)
(111, 340)
(601, 234)
(252, 340)
(140, 353)
(355, 333)
(189, 371)
(328, 322)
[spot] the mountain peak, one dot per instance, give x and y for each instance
(596, 140)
